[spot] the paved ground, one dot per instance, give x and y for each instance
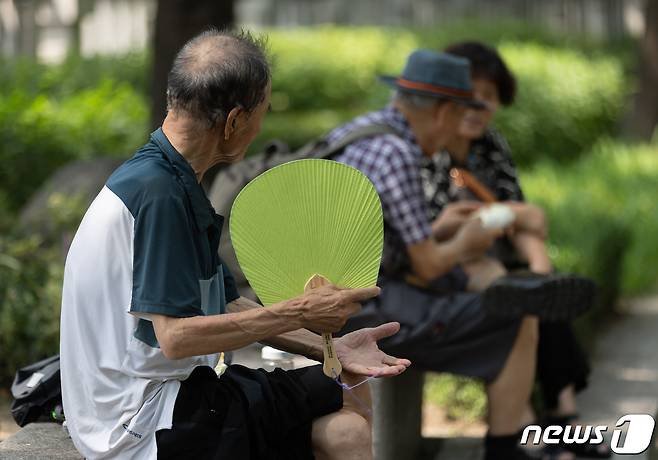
(625, 371)
(7, 425)
(624, 378)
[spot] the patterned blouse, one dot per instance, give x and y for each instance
(489, 161)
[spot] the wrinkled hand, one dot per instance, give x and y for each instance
(452, 217)
(359, 354)
(327, 308)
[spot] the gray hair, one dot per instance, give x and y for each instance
(217, 71)
(415, 101)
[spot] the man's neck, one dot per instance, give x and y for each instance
(194, 143)
(459, 147)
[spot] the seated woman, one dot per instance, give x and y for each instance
(562, 367)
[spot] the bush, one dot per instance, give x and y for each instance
(598, 203)
(30, 296)
(566, 102)
(463, 398)
(74, 74)
(567, 98)
(40, 133)
(31, 276)
(49, 115)
(323, 68)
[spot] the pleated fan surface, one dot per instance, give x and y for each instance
(303, 218)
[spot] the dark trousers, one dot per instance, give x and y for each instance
(451, 333)
(561, 361)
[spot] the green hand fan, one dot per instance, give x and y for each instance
(304, 224)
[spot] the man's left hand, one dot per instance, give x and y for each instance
(359, 354)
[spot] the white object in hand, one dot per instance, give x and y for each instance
(496, 216)
(273, 358)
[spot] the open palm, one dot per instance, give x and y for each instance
(359, 354)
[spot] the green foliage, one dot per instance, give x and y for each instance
(332, 67)
(30, 291)
(463, 398)
(74, 74)
(566, 101)
(53, 114)
(568, 97)
(605, 200)
(569, 94)
(40, 133)
(31, 276)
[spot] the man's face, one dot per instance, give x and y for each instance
(476, 121)
(246, 128)
(448, 119)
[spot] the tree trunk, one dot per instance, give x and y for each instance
(176, 22)
(645, 113)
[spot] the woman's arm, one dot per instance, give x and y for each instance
(529, 218)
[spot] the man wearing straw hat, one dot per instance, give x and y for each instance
(490, 336)
(147, 306)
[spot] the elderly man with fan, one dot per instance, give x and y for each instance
(147, 306)
(429, 283)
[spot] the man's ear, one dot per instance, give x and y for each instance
(231, 122)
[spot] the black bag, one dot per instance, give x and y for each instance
(230, 180)
(37, 393)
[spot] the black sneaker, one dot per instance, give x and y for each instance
(552, 298)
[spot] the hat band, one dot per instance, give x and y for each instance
(408, 84)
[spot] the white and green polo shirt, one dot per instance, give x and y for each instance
(147, 244)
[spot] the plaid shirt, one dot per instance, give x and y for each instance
(393, 164)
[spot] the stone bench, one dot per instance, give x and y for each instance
(398, 413)
(397, 431)
(39, 441)
(397, 406)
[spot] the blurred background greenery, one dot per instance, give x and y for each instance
(564, 130)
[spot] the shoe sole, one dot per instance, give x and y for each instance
(559, 299)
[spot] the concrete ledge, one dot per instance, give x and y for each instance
(39, 441)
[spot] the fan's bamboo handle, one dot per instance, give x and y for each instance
(331, 367)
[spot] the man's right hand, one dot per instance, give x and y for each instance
(473, 240)
(452, 217)
(327, 308)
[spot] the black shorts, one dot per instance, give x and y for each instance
(248, 414)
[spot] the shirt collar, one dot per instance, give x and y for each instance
(204, 214)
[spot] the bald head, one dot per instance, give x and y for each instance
(215, 72)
